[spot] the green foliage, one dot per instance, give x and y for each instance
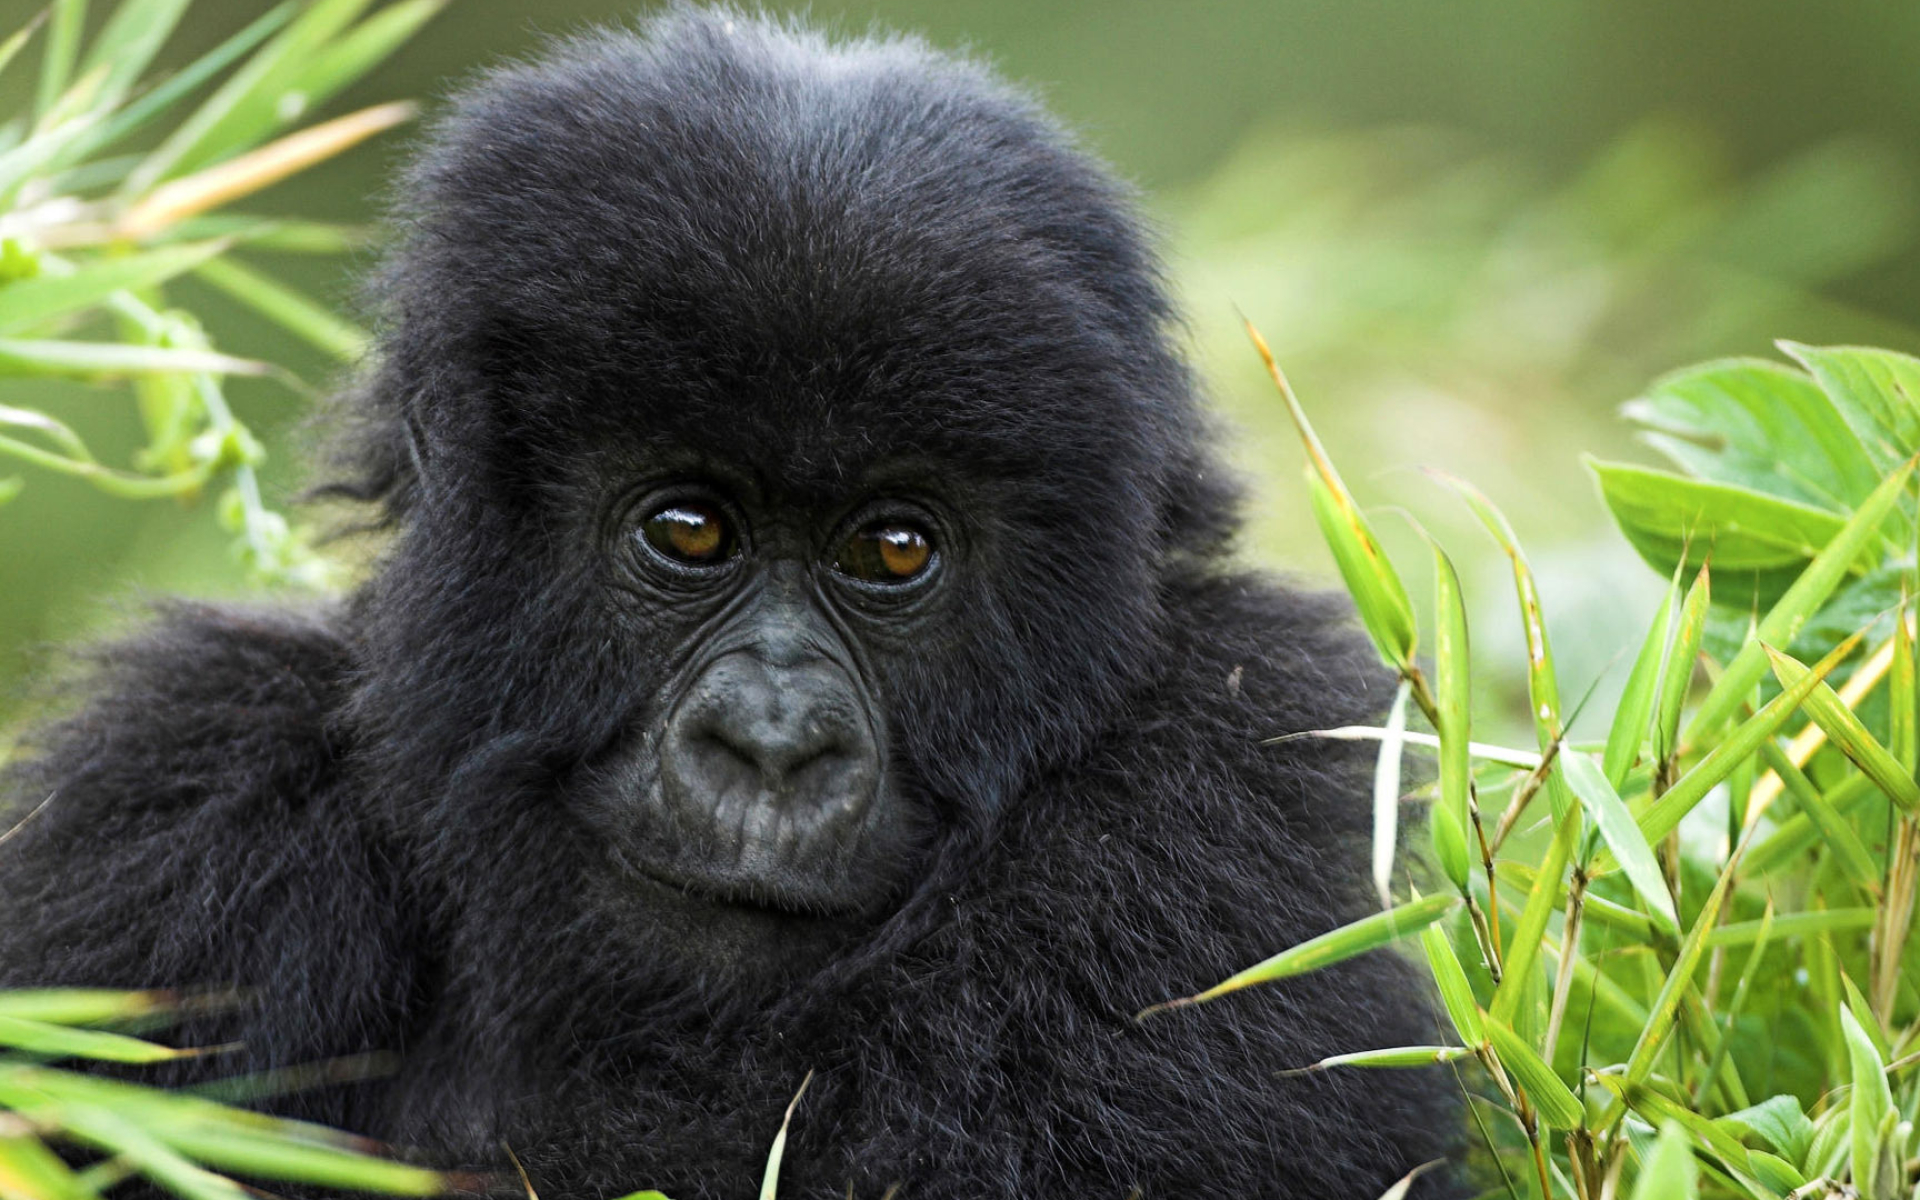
(1706, 990)
(111, 190)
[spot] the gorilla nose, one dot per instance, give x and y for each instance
(795, 735)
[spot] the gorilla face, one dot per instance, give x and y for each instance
(785, 459)
(758, 777)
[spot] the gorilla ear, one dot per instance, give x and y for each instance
(379, 453)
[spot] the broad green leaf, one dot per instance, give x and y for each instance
(1635, 708)
(1876, 391)
(1664, 815)
(1759, 425)
(1623, 837)
(1452, 813)
(29, 302)
(1845, 731)
(1669, 1173)
(1386, 795)
(1780, 1122)
(1755, 540)
(1552, 1099)
(1778, 1175)
(1450, 980)
(1338, 945)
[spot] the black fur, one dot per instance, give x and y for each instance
(818, 261)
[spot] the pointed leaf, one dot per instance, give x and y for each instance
(27, 302)
(1845, 731)
(1552, 1099)
(1623, 837)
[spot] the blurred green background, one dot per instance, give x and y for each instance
(1469, 229)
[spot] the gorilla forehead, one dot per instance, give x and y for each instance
(722, 231)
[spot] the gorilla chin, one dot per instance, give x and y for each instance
(805, 639)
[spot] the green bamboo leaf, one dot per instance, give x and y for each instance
(18, 357)
(1542, 900)
(10, 48)
(1395, 1057)
(45, 297)
(1377, 592)
(1404, 1184)
(298, 314)
(272, 1154)
(1386, 794)
(1801, 601)
(1338, 945)
(144, 109)
(1635, 708)
(1776, 1174)
(1552, 1099)
(1622, 836)
(1452, 814)
(81, 1006)
(1676, 674)
(1845, 732)
(252, 103)
(128, 42)
(1543, 686)
(1903, 736)
(1666, 1006)
(1875, 1160)
(770, 1182)
(1657, 1108)
(1663, 816)
(360, 50)
(1780, 1122)
(64, 1041)
(1790, 925)
(1839, 833)
(1378, 596)
(1450, 980)
(1507, 756)
(30, 1171)
(1798, 833)
(1669, 1172)
(107, 1130)
(61, 52)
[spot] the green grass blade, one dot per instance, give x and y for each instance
(1666, 1006)
(30, 1171)
(1845, 732)
(19, 357)
(81, 1006)
(1338, 945)
(1792, 925)
(770, 1182)
(47, 297)
(1544, 897)
(1801, 601)
(1394, 1057)
(361, 49)
(1839, 833)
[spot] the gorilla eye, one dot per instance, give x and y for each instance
(885, 553)
(691, 533)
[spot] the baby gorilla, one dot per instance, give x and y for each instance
(806, 642)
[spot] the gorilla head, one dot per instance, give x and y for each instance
(806, 644)
(787, 450)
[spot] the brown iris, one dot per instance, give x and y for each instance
(690, 532)
(885, 552)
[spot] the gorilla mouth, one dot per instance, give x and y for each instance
(812, 899)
